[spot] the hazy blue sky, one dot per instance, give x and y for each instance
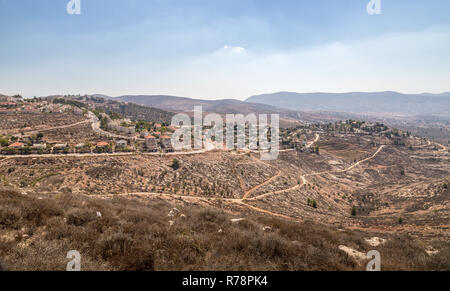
(223, 49)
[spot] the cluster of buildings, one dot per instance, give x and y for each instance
(116, 126)
(152, 144)
(7, 103)
(22, 148)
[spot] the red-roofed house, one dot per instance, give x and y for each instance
(16, 145)
(102, 144)
(7, 104)
(103, 147)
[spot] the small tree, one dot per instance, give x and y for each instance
(317, 149)
(312, 203)
(175, 164)
(4, 141)
(353, 210)
(400, 220)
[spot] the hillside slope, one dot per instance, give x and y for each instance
(138, 235)
(228, 106)
(187, 104)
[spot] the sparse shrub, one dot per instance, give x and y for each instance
(400, 220)
(9, 216)
(445, 186)
(38, 211)
(4, 141)
(317, 149)
(353, 211)
(80, 217)
(140, 259)
(114, 246)
(402, 172)
(57, 229)
(312, 203)
(133, 235)
(2, 266)
(211, 216)
(175, 164)
(10, 170)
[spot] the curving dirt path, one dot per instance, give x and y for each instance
(443, 147)
(240, 201)
(53, 128)
(304, 181)
(63, 126)
(149, 194)
(260, 185)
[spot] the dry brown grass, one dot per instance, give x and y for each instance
(134, 234)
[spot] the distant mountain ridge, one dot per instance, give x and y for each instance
(184, 104)
(226, 106)
(359, 102)
(445, 94)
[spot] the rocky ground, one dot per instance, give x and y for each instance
(357, 184)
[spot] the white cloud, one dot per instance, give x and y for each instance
(408, 62)
(235, 49)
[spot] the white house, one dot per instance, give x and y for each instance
(121, 143)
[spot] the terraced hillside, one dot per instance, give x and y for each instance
(374, 185)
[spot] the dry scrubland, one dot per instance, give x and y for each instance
(398, 193)
(209, 175)
(73, 135)
(13, 123)
(134, 234)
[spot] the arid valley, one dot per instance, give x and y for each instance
(96, 175)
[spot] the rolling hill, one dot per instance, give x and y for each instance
(227, 106)
(359, 102)
(183, 104)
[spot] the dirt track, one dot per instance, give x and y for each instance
(242, 201)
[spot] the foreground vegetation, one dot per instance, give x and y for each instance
(36, 232)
